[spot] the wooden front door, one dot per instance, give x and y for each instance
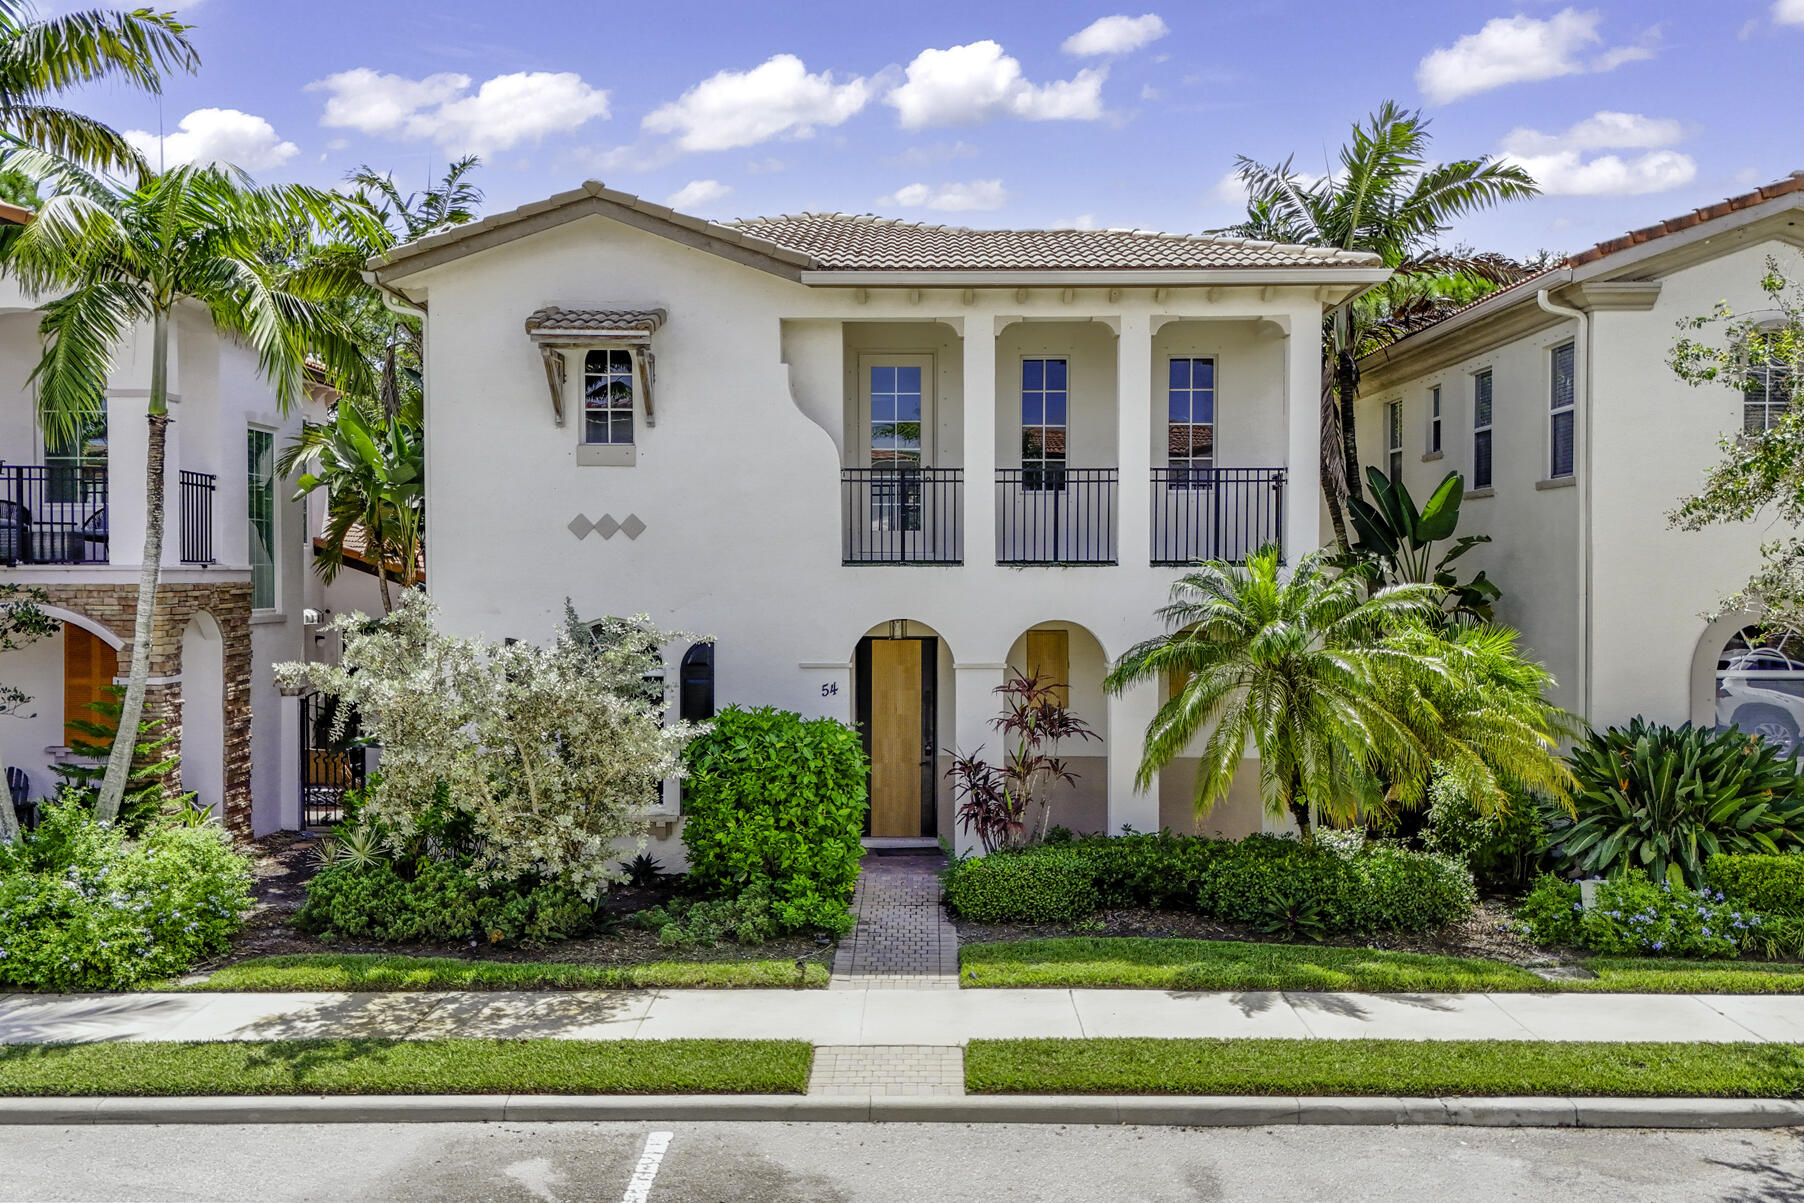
(895, 704)
(89, 666)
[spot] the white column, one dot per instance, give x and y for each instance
(975, 703)
(1129, 716)
(1134, 444)
(980, 439)
(288, 790)
(1303, 445)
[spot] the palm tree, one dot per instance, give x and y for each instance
(115, 255)
(1299, 669)
(1381, 195)
(373, 470)
(41, 59)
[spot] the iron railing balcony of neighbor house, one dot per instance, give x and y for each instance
(1208, 513)
(1055, 515)
(197, 489)
(55, 514)
(903, 515)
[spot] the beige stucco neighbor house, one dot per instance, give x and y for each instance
(1555, 399)
(879, 463)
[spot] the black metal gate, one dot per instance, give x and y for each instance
(330, 765)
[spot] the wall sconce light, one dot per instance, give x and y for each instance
(898, 628)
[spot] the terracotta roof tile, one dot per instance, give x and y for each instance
(553, 320)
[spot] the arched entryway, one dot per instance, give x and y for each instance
(901, 678)
(1760, 686)
(1068, 655)
(203, 711)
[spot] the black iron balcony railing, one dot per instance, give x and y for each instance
(903, 515)
(1055, 515)
(52, 514)
(197, 516)
(1216, 513)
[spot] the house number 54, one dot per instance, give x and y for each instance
(830, 689)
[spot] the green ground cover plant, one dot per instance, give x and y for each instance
(151, 1068)
(1259, 1066)
(374, 971)
(1636, 916)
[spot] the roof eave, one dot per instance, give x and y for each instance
(1094, 277)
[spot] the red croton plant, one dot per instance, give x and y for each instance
(1011, 806)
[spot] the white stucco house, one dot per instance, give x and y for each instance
(878, 463)
(1555, 399)
(235, 579)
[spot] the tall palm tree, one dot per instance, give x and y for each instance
(114, 255)
(373, 470)
(41, 59)
(1381, 195)
(1300, 669)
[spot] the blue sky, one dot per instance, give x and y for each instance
(981, 113)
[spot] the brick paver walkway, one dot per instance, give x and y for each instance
(903, 939)
(888, 1069)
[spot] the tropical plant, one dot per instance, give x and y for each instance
(1381, 195)
(41, 59)
(22, 623)
(114, 255)
(91, 746)
(373, 473)
(1666, 799)
(1760, 477)
(1298, 667)
(529, 761)
(1399, 542)
(1000, 803)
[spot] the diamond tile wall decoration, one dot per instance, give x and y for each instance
(633, 527)
(581, 526)
(605, 526)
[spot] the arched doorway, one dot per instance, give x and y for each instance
(203, 711)
(1068, 655)
(1760, 686)
(896, 678)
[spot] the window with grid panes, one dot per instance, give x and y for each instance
(1045, 398)
(260, 464)
(1559, 412)
(1766, 395)
(1393, 441)
(1481, 430)
(608, 396)
(1434, 420)
(1190, 400)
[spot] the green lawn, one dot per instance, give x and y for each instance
(408, 1067)
(1643, 975)
(370, 971)
(1383, 1067)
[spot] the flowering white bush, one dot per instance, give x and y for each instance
(550, 752)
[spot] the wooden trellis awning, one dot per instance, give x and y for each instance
(555, 330)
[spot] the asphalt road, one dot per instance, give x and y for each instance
(831, 1163)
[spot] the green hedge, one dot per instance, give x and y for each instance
(1275, 883)
(437, 902)
(776, 800)
(1772, 885)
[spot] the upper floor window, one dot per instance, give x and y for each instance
(260, 462)
(1045, 397)
(1481, 430)
(608, 396)
(1766, 395)
(896, 408)
(1559, 412)
(1191, 413)
(1393, 440)
(75, 466)
(1434, 420)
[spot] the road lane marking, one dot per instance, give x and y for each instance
(638, 1190)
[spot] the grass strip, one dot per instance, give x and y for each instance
(1383, 1067)
(1129, 962)
(156, 1068)
(375, 971)
(1643, 975)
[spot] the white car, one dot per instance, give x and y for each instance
(1746, 696)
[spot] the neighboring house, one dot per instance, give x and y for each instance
(1555, 399)
(880, 464)
(235, 567)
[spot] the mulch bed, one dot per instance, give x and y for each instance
(284, 863)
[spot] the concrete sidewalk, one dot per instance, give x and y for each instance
(933, 1017)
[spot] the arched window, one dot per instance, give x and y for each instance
(696, 703)
(1760, 686)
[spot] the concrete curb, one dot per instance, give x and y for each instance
(1215, 1111)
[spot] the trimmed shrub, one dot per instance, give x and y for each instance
(706, 922)
(1153, 871)
(1411, 891)
(1051, 884)
(83, 908)
(1501, 849)
(1635, 916)
(1772, 885)
(776, 800)
(442, 901)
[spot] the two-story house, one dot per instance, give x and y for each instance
(1556, 400)
(234, 580)
(879, 464)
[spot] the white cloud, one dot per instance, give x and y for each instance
(963, 85)
(1229, 191)
(1083, 221)
(1119, 34)
(1558, 162)
(523, 106)
(1788, 12)
(697, 194)
(742, 108)
(1517, 49)
(217, 136)
(951, 198)
(938, 152)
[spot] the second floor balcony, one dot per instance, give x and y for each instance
(58, 514)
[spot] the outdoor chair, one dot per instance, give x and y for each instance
(18, 785)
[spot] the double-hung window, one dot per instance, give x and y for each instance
(260, 463)
(1559, 413)
(1481, 429)
(1434, 420)
(1045, 403)
(1190, 400)
(1393, 440)
(608, 397)
(1766, 395)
